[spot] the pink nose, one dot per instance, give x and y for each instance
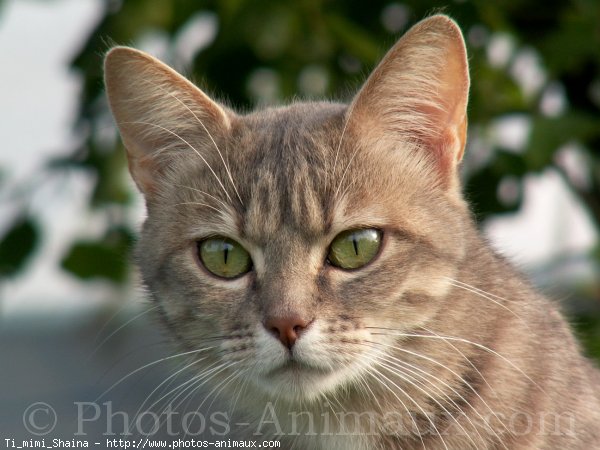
(287, 329)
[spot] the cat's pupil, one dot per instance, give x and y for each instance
(355, 244)
(225, 253)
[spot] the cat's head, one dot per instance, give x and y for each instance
(281, 243)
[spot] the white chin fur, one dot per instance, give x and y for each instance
(318, 371)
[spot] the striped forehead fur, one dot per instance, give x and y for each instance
(290, 154)
(303, 174)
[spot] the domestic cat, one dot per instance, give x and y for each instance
(320, 261)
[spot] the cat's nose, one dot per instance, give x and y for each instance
(287, 329)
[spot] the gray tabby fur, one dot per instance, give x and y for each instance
(437, 334)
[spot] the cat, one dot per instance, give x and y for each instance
(321, 265)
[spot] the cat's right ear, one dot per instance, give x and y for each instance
(159, 113)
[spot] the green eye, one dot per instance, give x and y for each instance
(352, 249)
(224, 257)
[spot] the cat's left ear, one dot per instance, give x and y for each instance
(418, 95)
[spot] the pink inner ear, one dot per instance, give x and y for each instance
(447, 143)
(449, 149)
(144, 173)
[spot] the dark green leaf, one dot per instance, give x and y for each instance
(100, 259)
(17, 246)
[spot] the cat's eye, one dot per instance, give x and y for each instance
(352, 249)
(224, 257)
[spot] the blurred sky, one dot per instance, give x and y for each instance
(38, 97)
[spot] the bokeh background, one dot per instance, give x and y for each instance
(72, 315)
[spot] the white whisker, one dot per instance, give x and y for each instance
(213, 141)
(346, 171)
(455, 348)
(199, 204)
(163, 383)
(137, 316)
(190, 146)
(459, 339)
(480, 293)
(460, 396)
(407, 379)
(202, 192)
(414, 402)
(158, 361)
(202, 381)
(339, 146)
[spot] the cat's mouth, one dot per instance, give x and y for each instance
(294, 367)
(296, 379)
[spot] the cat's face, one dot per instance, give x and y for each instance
(292, 247)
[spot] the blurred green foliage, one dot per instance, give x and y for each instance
(107, 257)
(17, 246)
(524, 55)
